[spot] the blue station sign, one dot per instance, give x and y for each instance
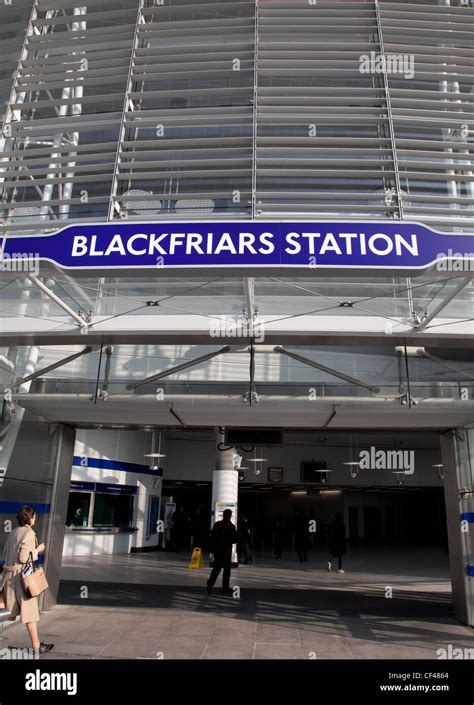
(338, 245)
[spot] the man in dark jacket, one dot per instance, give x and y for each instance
(243, 541)
(301, 534)
(223, 537)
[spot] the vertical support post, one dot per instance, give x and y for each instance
(446, 87)
(76, 109)
(389, 115)
(457, 449)
(393, 143)
(128, 88)
(225, 481)
(62, 468)
(255, 115)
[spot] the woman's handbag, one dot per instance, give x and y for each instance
(33, 578)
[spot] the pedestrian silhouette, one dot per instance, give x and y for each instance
(336, 542)
(279, 532)
(243, 541)
(223, 537)
(301, 534)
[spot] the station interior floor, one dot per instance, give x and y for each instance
(150, 605)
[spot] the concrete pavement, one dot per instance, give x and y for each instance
(389, 604)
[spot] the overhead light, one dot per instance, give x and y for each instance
(257, 460)
(353, 464)
(257, 456)
(153, 454)
(330, 491)
(302, 493)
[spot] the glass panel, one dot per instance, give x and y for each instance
(112, 510)
(78, 509)
(153, 515)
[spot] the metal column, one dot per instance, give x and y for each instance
(457, 449)
(61, 471)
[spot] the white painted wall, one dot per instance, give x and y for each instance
(124, 446)
(80, 544)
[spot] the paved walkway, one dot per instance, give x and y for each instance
(152, 606)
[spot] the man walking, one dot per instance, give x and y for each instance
(223, 537)
(301, 534)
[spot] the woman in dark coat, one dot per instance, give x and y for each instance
(336, 542)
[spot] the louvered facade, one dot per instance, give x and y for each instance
(236, 110)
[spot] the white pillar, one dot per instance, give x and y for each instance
(225, 484)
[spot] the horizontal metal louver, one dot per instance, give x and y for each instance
(432, 110)
(142, 109)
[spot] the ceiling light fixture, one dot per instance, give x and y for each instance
(354, 465)
(400, 476)
(257, 460)
(153, 454)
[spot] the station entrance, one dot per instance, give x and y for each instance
(406, 511)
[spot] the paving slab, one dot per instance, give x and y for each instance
(145, 605)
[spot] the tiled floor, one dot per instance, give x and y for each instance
(152, 606)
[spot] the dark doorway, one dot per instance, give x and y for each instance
(372, 522)
(354, 523)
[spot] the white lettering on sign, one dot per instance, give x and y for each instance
(169, 243)
(314, 243)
